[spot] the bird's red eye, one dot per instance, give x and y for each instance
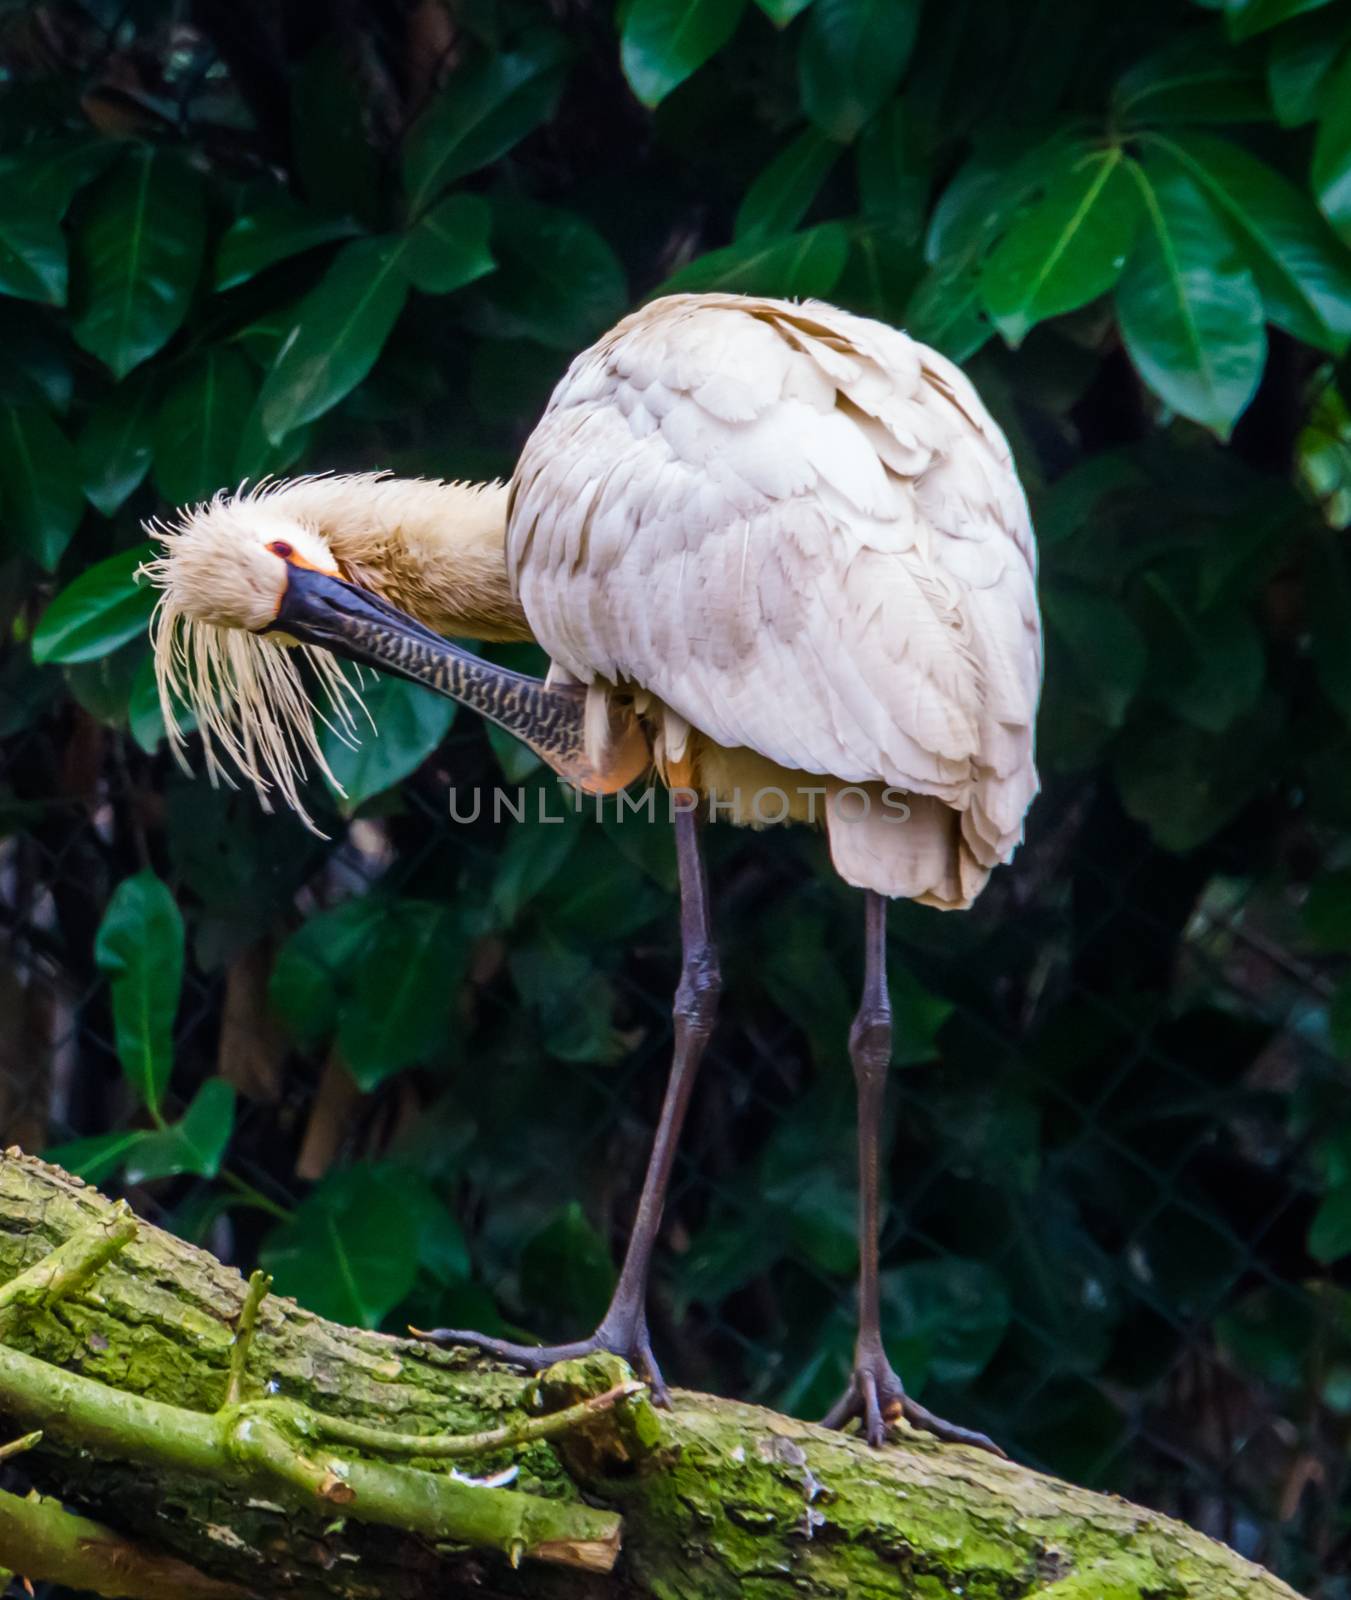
(279, 547)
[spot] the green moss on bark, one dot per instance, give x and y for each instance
(719, 1499)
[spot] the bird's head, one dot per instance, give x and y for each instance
(253, 612)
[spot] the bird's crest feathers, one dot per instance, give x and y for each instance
(252, 694)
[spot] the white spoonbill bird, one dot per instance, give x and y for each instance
(776, 552)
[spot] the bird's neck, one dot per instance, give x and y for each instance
(435, 550)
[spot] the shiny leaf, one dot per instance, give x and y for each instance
(140, 947)
(1193, 79)
(335, 336)
(100, 1157)
(350, 1251)
(945, 310)
(1190, 314)
(557, 281)
(410, 721)
(799, 265)
(137, 257)
(40, 497)
(780, 197)
(448, 247)
(274, 228)
(1068, 248)
(489, 105)
(399, 1009)
(195, 1143)
(851, 54)
(116, 445)
(102, 609)
(782, 12)
(566, 1269)
(1331, 175)
(1248, 17)
(198, 425)
(32, 251)
(664, 41)
(316, 967)
(949, 1317)
(1300, 60)
(1302, 270)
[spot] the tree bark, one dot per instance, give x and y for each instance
(287, 1472)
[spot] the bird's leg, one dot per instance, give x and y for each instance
(875, 1394)
(623, 1329)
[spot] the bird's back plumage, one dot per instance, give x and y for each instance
(801, 532)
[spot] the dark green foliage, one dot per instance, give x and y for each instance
(412, 1066)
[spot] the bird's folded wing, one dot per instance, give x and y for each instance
(801, 531)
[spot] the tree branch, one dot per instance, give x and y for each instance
(291, 1497)
(40, 1539)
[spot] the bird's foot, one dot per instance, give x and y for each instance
(877, 1398)
(626, 1338)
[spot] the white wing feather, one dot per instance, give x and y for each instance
(802, 532)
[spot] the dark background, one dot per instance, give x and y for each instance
(413, 1067)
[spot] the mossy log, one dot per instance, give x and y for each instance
(193, 1473)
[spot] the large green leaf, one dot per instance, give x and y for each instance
(1331, 176)
(336, 333)
(782, 12)
(32, 251)
(1330, 1230)
(779, 198)
(53, 170)
(315, 968)
(798, 266)
(566, 1270)
(945, 309)
(1190, 313)
(1208, 663)
(1184, 784)
(99, 1157)
(36, 185)
(350, 1252)
(663, 41)
(1299, 62)
(1193, 79)
(140, 946)
(40, 496)
(893, 171)
(102, 609)
(1067, 249)
(538, 844)
(1303, 271)
(145, 715)
(949, 1317)
(1247, 17)
(333, 157)
(117, 443)
(448, 246)
(851, 55)
(272, 228)
(195, 1143)
(199, 423)
(409, 723)
(138, 253)
(1102, 643)
(399, 1010)
(557, 280)
(489, 105)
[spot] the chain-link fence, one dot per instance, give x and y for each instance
(1110, 1127)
